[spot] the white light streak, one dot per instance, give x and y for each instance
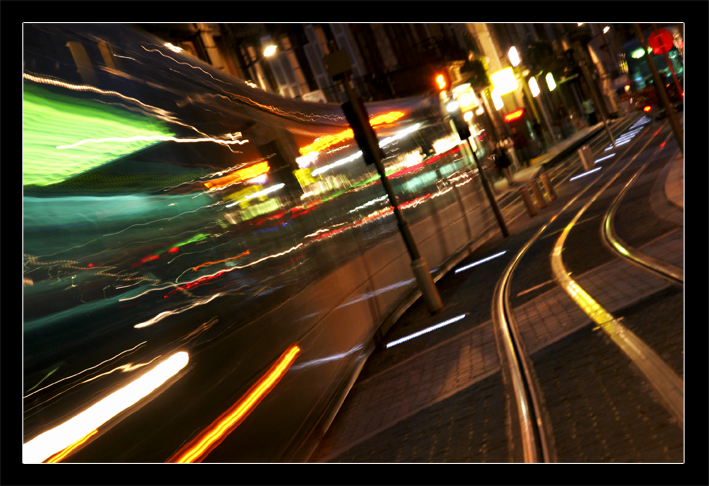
(479, 262)
(161, 138)
(49, 443)
(604, 158)
(424, 331)
(585, 173)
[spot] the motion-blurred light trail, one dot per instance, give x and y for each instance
(77, 428)
(479, 262)
(199, 447)
(427, 330)
(585, 173)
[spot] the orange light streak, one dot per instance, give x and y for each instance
(197, 449)
(247, 252)
(238, 176)
(68, 450)
(328, 140)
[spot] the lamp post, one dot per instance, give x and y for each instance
(268, 51)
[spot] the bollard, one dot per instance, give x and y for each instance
(547, 186)
(531, 209)
(586, 158)
(534, 186)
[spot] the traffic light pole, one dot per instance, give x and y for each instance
(418, 264)
(338, 67)
(660, 88)
(461, 126)
(488, 192)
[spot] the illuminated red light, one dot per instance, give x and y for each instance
(647, 108)
(91, 264)
(173, 250)
(513, 115)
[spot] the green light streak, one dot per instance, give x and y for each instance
(51, 120)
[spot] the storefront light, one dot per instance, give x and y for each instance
(550, 81)
(504, 81)
(534, 87)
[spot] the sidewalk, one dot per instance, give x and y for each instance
(539, 163)
(416, 402)
(674, 187)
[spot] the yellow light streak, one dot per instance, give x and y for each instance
(61, 455)
(238, 176)
(197, 449)
(78, 427)
(328, 140)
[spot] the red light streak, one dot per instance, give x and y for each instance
(199, 447)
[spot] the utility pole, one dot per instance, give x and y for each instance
(661, 92)
(338, 67)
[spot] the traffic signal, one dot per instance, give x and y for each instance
(459, 122)
(442, 81)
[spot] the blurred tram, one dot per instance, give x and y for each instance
(178, 225)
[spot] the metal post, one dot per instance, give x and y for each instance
(488, 192)
(531, 209)
(660, 87)
(537, 193)
(547, 186)
(338, 67)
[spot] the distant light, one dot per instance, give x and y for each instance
(269, 50)
(647, 108)
(585, 173)
(534, 87)
(481, 110)
(441, 80)
(514, 57)
(514, 115)
(173, 48)
(468, 115)
(496, 99)
(580, 24)
(479, 262)
(504, 81)
(627, 87)
(465, 99)
(453, 106)
(424, 331)
(606, 29)
(550, 81)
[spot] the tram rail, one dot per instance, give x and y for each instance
(530, 425)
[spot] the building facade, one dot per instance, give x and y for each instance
(388, 60)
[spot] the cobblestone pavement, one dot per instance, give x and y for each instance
(444, 402)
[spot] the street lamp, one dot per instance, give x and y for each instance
(268, 51)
